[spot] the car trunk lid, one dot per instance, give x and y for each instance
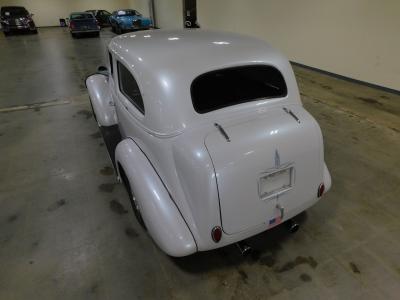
(82, 24)
(264, 164)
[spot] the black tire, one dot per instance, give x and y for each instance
(132, 199)
(6, 33)
(113, 28)
(34, 31)
(97, 34)
(118, 30)
(74, 35)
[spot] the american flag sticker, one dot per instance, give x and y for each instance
(275, 221)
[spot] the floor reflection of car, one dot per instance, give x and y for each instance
(83, 23)
(102, 17)
(128, 20)
(16, 18)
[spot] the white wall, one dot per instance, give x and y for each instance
(141, 6)
(169, 13)
(357, 38)
(48, 12)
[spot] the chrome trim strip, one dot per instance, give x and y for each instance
(288, 111)
(221, 129)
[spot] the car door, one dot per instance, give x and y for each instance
(112, 18)
(104, 16)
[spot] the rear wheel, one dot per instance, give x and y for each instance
(119, 30)
(132, 198)
(6, 33)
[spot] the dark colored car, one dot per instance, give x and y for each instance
(16, 18)
(102, 17)
(83, 23)
(128, 20)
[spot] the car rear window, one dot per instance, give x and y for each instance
(232, 86)
(129, 87)
(13, 11)
(127, 12)
(82, 16)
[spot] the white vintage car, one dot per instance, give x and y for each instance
(209, 136)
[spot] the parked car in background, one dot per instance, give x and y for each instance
(213, 150)
(102, 17)
(83, 23)
(128, 20)
(16, 18)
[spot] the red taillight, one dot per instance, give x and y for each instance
(321, 190)
(71, 25)
(216, 234)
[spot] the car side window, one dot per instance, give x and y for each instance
(111, 63)
(129, 87)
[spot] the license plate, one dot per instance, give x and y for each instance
(272, 184)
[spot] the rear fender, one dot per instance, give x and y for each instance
(160, 214)
(100, 97)
(327, 179)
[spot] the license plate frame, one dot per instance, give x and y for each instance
(279, 181)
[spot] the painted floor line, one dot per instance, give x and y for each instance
(34, 106)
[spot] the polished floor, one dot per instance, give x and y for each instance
(67, 230)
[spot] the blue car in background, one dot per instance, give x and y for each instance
(128, 20)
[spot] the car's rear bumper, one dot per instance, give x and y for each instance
(133, 27)
(18, 28)
(86, 31)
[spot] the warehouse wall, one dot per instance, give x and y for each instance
(358, 38)
(48, 12)
(169, 13)
(141, 6)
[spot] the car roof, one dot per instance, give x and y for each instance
(165, 63)
(163, 49)
(126, 9)
(8, 7)
(82, 13)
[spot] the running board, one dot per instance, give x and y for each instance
(112, 137)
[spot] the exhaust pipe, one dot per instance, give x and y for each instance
(292, 225)
(244, 248)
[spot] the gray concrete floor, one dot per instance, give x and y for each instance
(67, 230)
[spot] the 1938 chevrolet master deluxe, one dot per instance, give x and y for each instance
(215, 143)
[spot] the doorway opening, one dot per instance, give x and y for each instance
(190, 14)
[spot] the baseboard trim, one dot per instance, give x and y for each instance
(371, 85)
